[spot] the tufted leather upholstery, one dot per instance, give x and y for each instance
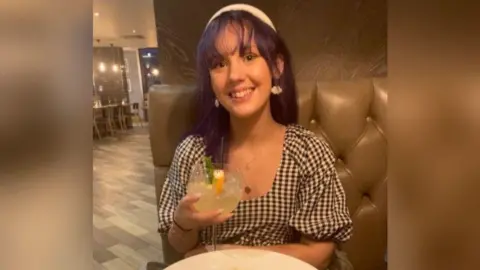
(350, 115)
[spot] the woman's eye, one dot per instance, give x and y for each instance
(250, 57)
(219, 64)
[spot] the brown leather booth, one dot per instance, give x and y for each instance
(350, 115)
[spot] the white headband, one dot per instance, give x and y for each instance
(244, 7)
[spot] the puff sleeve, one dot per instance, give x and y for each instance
(174, 188)
(322, 212)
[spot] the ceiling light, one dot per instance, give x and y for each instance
(115, 68)
(96, 14)
(134, 31)
(102, 67)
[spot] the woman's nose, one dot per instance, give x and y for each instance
(237, 70)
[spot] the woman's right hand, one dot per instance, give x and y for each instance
(189, 218)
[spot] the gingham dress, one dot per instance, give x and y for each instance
(306, 198)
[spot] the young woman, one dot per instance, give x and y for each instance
(293, 201)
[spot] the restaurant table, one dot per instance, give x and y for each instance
(115, 105)
(241, 259)
(110, 113)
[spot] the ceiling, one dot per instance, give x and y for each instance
(124, 23)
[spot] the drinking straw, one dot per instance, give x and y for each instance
(221, 152)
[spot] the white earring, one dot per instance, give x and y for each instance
(277, 90)
(217, 104)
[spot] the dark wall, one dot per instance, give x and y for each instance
(329, 40)
(109, 85)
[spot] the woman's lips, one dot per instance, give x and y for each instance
(241, 96)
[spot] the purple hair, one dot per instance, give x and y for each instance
(213, 123)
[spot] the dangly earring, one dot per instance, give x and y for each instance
(217, 104)
(276, 90)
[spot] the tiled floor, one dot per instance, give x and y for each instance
(124, 214)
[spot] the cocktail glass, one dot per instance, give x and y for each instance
(219, 187)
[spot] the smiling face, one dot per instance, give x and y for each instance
(240, 77)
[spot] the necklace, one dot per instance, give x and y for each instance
(247, 165)
(245, 168)
(247, 189)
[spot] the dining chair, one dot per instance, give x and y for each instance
(134, 112)
(110, 119)
(120, 117)
(95, 125)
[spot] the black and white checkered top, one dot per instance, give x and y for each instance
(306, 198)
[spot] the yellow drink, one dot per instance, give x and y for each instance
(210, 200)
(212, 196)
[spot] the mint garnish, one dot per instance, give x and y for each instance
(209, 169)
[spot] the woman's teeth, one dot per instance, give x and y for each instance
(241, 94)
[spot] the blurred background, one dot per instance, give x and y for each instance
(125, 63)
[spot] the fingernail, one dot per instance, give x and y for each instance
(197, 195)
(220, 211)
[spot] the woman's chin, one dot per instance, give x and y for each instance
(243, 113)
(247, 109)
